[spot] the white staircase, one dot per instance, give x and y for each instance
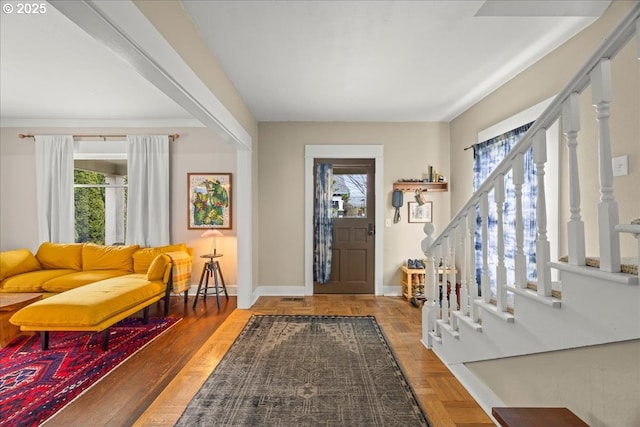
(589, 305)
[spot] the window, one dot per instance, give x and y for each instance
(488, 155)
(349, 194)
(100, 193)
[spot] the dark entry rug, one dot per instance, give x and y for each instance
(35, 384)
(306, 371)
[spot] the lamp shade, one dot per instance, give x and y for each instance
(212, 233)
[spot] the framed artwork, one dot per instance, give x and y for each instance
(420, 213)
(209, 204)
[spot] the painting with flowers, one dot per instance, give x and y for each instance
(209, 200)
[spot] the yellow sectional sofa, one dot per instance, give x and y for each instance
(58, 267)
(87, 287)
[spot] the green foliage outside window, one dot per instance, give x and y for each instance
(89, 207)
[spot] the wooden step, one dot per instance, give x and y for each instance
(536, 417)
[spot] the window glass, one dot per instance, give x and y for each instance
(349, 194)
(100, 197)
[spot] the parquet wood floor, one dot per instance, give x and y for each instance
(154, 386)
(441, 395)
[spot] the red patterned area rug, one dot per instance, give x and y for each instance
(35, 384)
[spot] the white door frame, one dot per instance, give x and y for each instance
(313, 152)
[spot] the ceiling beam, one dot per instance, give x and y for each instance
(123, 28)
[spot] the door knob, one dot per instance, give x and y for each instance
(372, 230)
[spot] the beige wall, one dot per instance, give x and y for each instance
(545, 79)
(197, 150)
(408, 149)
(600, 384)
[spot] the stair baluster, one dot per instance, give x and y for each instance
(462, 239)
(575, 226)
(485, 282)
(608, 207)
(444, 302)
(543, 248)
(501, 269)
(452, 267)
(474, 293)
(520, 259)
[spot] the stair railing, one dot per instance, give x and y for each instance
(443, 311)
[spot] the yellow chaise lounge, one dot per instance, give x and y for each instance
(89, 287)
(97, 306)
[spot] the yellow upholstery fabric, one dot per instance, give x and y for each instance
(16, 262)
(143, 257)
(97, 257)
(157, 268)
(80, 278)
(60, 255)
(32, 281)
(88, 305)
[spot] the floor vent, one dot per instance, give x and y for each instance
(292, 299)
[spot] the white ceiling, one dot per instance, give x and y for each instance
(295, 60)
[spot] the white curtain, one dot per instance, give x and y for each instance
(54, 188)
(148, 190)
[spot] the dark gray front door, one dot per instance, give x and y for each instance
(352, 270)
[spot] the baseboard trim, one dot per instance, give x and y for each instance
(485, 397)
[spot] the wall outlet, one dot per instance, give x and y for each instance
(620, 165)
(387, 222)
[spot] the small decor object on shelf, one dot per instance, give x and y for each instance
(420, 213)
(209, 204)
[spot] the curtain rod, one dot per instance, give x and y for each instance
(469, 147)
(104, 137)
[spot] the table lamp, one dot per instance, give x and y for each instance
(213, 234)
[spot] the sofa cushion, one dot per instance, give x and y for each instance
(89, 305)
(98, 257)
(157, 268)
(60, 255)
(16, 262)
(32, 281)
(143, 257)
(80, 278)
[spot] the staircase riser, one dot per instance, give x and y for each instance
(592, 312)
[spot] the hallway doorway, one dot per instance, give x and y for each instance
(344, 151)
(353, 214)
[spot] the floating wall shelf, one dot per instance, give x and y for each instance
(423, 186)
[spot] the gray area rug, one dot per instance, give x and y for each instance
(306, 371)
